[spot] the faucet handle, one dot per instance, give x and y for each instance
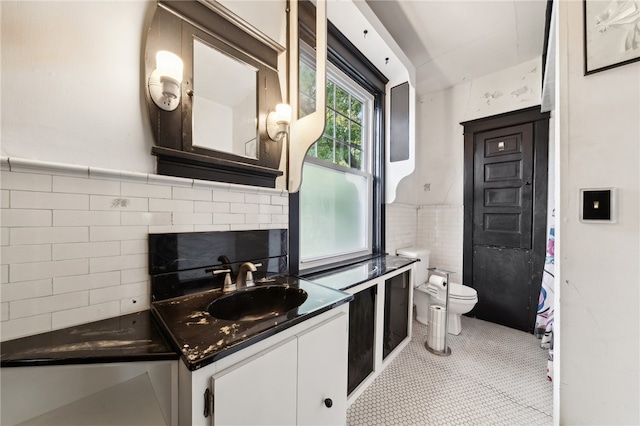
(228, 284)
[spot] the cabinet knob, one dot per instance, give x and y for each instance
(328, 402)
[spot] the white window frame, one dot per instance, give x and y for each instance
(367, 99)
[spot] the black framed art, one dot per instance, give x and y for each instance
(611, 34)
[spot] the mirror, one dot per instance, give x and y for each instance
(224, 115)
(230, 83)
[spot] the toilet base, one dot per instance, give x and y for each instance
(455, 325)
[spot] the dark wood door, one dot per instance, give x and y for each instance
(505, 215)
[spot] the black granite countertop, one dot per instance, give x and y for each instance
(203, 339)
(350, 276)
(132, 337)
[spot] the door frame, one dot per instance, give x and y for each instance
(540, 122)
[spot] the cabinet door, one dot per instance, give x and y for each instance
(362, 327)
(396, 312)
(261, 391)
(322, 374)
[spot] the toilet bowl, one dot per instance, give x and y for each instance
(462, 298)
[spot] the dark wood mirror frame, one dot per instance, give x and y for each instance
(173, 28)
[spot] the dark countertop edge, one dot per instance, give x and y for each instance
(102, 359)
(329, 272)
(196, 365)
(342, 265)
(95, 356)
(388, 271)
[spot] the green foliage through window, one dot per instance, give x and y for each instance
(342, 140)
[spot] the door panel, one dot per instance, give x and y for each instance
(503, 164)
(505, 214)
(502, 277)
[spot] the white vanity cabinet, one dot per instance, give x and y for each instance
(258, 391)
(322, 374)
(298, 376)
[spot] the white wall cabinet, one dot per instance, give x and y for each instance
(298, 376)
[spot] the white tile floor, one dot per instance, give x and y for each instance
(494, 376)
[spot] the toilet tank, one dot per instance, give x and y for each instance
(421, 267)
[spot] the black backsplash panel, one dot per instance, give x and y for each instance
(190, 250)
(181, 263)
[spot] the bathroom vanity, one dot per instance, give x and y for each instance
(380, 314)
(277, 355)
(184, 363)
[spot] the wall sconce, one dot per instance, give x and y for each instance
(278, 122)
(165, 81)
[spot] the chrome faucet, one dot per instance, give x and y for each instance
(245, 276)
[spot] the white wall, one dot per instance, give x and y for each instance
(72, 89)
(599, 269)
(437, 187)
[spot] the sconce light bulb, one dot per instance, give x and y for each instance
(170, 65)
(278, 122)
(283, 112)
(165, 81)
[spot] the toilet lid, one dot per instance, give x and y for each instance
(462, 292)
(456, 291)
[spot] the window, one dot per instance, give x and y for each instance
(336, 192)
(337, 217)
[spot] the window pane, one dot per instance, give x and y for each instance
(356, 110)
(342, 128)
(334, 210)
(342, 154)
(330, 124)
(313, 151)
(342, 101)
(356, 134)
(356, 158)
(325, 149)
(330, 94)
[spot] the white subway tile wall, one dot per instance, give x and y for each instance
(440, 229)
(74, 243)
(401, 225)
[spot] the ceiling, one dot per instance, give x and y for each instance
(451, 42)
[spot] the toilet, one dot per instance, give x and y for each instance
(462, 298)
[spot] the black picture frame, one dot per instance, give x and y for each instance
(611, 37)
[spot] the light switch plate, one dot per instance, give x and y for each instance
(598, 205)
